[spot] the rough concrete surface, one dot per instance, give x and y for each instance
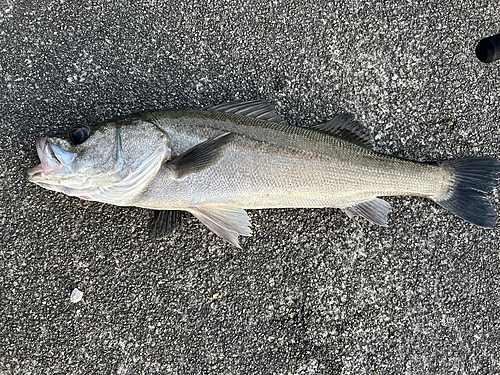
(311, 292)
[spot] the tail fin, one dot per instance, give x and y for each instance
(472, 179)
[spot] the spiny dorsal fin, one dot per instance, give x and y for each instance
(200, 156)
(165, 222)
(375, 211)
(346, 127)
(259, 109)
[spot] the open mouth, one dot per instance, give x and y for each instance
(49, 152)
(48, 158)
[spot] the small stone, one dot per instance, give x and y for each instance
(76, 296)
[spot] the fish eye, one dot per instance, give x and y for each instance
(79, 134)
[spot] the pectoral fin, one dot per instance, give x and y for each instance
(200, 156)
(226, 221)
(375, 211)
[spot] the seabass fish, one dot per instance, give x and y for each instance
(217, 162)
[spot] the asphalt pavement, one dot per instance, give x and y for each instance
(311, 292)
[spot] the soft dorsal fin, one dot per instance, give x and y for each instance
(346, 127)
(259, 109)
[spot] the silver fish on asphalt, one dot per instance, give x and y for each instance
(217, 162)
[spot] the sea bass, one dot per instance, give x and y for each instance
(217, 162)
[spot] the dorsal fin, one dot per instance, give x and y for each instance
(259, 109)
(346, 127)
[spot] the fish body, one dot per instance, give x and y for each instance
(281, 166)
(216, 163)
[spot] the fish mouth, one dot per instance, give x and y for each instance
(49, 162)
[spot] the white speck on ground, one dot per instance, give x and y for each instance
(76, 296)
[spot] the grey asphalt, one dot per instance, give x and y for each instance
(311, 292)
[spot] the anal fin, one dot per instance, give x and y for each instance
(374, 210)
(225, 220)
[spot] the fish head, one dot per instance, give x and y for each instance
(110, 162)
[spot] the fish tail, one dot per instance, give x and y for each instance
(466, 195)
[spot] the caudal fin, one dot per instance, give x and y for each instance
(472, 179)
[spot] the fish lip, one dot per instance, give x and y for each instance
(44, 151)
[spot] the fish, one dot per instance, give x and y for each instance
(215, 163)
